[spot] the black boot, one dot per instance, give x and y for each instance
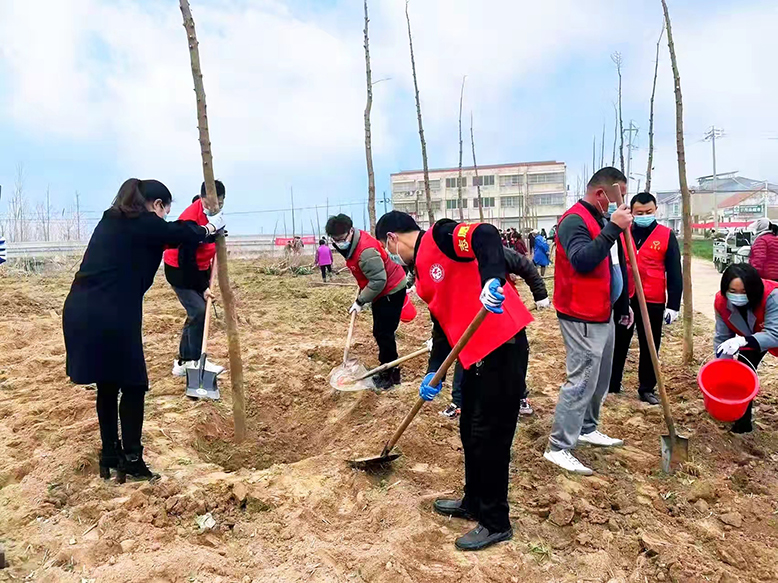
(453, 508)
(386, 380)
(480, 538)
(396, 377)
(132, 465)
(110, 458)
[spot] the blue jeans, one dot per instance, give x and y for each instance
(191, 344)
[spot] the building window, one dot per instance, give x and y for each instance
(403, 187)
(452, 182)
(454, 204)
(423, 206)
(488, 201)
(676, 209)
(434, 185)
(405, 207)
(510, 181)
(511, 201)
(483, 180)
(548, 199)
(547, 178)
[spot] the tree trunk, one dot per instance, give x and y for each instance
(651, 117)
(427, 195)
(615, 133)
(602, 146)
(617, 59)
(475, 166)
(368, 135)
(459, 180)
(233, 338)
(688, 304)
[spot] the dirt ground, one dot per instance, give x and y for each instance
(288, 508)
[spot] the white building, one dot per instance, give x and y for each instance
(522, 195)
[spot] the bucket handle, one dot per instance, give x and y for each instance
(745, 361)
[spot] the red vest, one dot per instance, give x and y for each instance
(720, 304)
(651, 265)
(394, 273)
(452, 289)
(586, 296)
(205, 251)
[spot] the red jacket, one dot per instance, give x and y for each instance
(764, 256)
(585, 296)
(452, 289)
(720, 305)
(394, 273)
(205, 251)
(651, 265)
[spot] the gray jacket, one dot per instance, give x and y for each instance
(372, 265)
(766, 339)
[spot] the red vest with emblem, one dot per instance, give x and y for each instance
(651, 265)
(586, 296)
(394, 273)
(205, 251)
(720, 304)
(452, 289)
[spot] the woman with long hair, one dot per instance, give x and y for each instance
(103, 314)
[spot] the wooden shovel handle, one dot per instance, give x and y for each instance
(208, 304)
(349, 337)
(392, 364)
(633, 261)
(450, 359)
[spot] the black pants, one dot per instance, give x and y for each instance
(646, 376)
(324, 270)
(490, 410)
(743, 425)
(386, 319)
(130, 410)
(191, 344)
(459, 374)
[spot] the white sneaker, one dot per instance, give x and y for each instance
(600, 439)
(179, 369)
(211, 367)
(567, 461)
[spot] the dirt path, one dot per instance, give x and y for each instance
(705, 283)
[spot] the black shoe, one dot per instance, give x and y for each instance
(740, 427)
(615, 390)
(480, 538)
(386, 380)
(649, 397)
(110, 458)
(452, 508)
(395, 376)
(133, 465)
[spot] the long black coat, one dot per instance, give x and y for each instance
(103, 315)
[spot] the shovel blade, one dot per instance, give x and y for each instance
(342, 378)
(373, 462)
(201, 384)
(674, 455)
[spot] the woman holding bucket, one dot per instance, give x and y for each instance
(746, 321)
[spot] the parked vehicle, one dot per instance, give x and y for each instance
(734, 246)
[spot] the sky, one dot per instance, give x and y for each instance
(96, 91)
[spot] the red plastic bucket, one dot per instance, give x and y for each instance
(409, 310)
(727, 386)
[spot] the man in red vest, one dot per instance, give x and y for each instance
(381, 283)
(589, 291)
(188, 271)
(659, 263)
(459, 268)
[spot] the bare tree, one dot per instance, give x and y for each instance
(368, 134)
(43, 216)
(651, 117)
(615, 133)
(602, 146)
(616, 58)
(688, 304)
(78, 216)
(233, 338)
(18, 210)
(459, 180)
(594, 150)
(427, 195)
(475, 167)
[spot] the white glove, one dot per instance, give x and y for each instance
(492, 296)
(215, 223)
(730, 347)
(428, 344)
(412, 289)
(356, 307)
(543, 304)
(628, 320)
(3, 251)
(670, 316)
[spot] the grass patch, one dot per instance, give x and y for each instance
(702, 248)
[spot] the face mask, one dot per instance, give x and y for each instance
(342, 245)
(395, 257)
(612, 206)
(739, 300)
(644, 220)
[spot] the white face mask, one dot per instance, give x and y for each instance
(395, 256)
(739, 300)
(343, 245)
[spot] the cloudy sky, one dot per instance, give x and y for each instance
(96, 91)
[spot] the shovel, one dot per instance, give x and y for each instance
(350, 369)
(342, 382)
(367, 463)
(200, 383)
(675, 449)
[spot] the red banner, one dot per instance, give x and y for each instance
(307, 240)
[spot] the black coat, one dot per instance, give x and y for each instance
(103, 314)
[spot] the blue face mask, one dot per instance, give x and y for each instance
(739, 300)
(612, 208)
(644, 220)
(395, 257)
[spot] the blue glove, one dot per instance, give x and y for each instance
(428, 392)
(3, 252)
(492, 296)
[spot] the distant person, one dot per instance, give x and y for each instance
(764, 249)
(540, 254)
(103, 313)
(324, 259)
(746, 322)
(659, 264)
(382, 285)
(518, 245)
(188, 271)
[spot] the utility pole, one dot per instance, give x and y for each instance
(385, 211)
(291, 188)
(711, 136)
(766, 198)
(632, 130)
(78, 216)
